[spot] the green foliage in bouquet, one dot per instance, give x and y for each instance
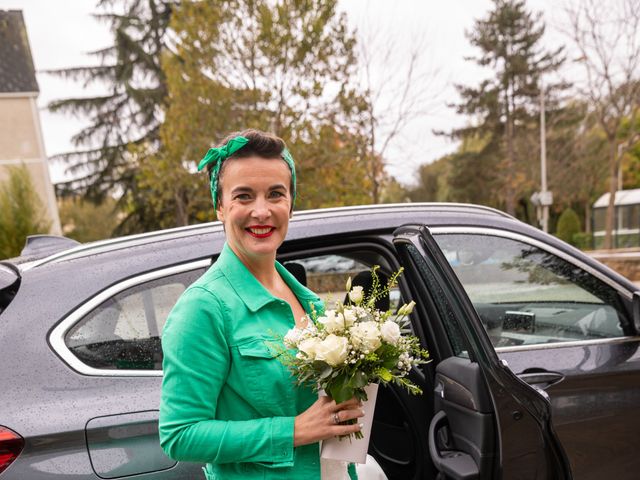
(344, 349)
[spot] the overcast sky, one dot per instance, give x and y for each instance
(61, 32)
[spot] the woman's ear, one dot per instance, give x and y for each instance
(219, 214)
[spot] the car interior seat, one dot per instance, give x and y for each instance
(298, 271)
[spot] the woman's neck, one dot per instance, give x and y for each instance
(267, 275)
(263, 268)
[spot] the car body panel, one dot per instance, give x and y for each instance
(599, 393)
(49, 400)
(126, 444)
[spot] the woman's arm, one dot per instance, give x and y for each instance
(196, 363)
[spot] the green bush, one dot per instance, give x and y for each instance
(21, 212)
(568, 226)
(584, 241)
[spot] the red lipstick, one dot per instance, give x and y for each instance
(265, 231)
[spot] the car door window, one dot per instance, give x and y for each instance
(123, 333)
(327, 275)
(439, 297)
(525, 295)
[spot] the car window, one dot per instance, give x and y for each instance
(327, 275)
(525, 295)
(438, 297)
(123, 333)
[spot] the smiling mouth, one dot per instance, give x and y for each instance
(260, 232)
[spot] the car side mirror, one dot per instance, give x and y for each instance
(636, 311)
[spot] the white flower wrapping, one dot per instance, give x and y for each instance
(350, 346)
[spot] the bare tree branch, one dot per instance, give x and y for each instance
(608, 39)
(399, 89)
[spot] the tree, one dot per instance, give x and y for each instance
(131, 110)
(472, 175)
(608, 39)
(395, 192)
(85, 221)
(21, 212)
(578, 145)
(397, 91)
(504, 107)
(282, 66)
(433, 181)
(568, 226)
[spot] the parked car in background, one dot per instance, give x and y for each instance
(535, 368)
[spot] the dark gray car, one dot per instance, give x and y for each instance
(534, 347)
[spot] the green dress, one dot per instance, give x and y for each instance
(226, 400)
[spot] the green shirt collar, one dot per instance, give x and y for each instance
(252, 292)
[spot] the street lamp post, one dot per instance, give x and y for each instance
(544, 198)
(543, 161)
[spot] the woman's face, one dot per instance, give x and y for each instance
(255, 205)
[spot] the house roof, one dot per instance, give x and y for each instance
(17, 73)
(623, 197)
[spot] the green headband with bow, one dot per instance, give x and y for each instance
(218, 155)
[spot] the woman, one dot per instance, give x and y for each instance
(226, 401)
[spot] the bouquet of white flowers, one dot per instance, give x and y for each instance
(351, 346)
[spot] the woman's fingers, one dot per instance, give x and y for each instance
(342, 429)
(344, 415)
(351, 403)
(326, 419)
(346, 420)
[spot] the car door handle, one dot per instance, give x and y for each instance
(453, 464)
(541, 378)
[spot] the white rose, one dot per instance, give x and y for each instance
(292, 337)
(356, 295)
(407, 309)
(309, 347)
(333, 322)
(390, 332)
(350, 317)
(333, 350)
(366, 336)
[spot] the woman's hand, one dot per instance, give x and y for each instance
(322, 420)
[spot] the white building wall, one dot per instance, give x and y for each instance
(21, 142)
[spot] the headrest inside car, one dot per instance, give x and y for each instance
(298, 271)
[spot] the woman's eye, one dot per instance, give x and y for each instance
(276, 194)
(242, 196)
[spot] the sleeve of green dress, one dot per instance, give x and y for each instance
(196, 362)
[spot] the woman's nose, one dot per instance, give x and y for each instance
(261, 209)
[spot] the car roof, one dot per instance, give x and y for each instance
(368, 219)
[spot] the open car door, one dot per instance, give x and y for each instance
(487, 423)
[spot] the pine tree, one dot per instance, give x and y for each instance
(130, 112)
(504, 107)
